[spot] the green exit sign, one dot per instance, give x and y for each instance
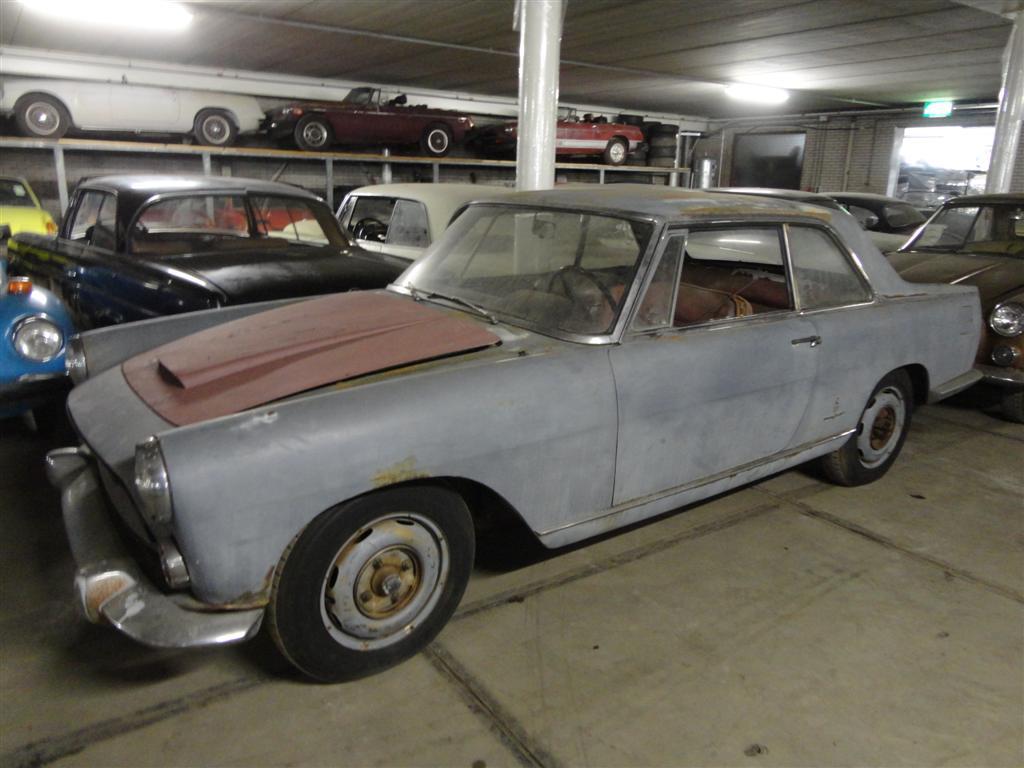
(938, 108)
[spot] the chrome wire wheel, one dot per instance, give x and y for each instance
(216, 129)
(43, 118)
(314, 134)
(386, 578)
(881, 425)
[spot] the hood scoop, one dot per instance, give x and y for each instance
(281, 352)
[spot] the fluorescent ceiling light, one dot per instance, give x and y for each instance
(756, 94)
(158, 15)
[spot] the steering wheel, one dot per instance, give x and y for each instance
(370, 229)
(560, 275)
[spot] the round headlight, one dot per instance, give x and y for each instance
(152, 487)
(1007, 319)
(38, 339)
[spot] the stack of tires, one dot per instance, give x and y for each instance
(661, 142)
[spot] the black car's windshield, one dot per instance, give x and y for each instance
(14, 193)
(557, 272)
(993, 228)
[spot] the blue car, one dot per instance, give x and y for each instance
(35, 326)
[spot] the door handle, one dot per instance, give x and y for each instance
(812, 340)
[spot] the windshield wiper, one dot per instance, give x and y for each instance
(420, 295)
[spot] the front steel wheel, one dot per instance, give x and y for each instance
(370, 582)
(313, 132)
(878, 439)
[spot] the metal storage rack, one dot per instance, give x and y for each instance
(385, 158)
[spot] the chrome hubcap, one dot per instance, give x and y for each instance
(314, 135)
(881, 426)
(617, 152)
(215, 129)
(437, 140)
(43, 118)
(387, 577)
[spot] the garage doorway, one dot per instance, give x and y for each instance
(939, 162)
(768, 160)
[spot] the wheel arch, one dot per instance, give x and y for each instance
(919, 380)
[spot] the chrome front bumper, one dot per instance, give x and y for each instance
(112, 588)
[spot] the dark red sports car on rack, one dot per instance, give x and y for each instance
(613, 142)
(362, 118)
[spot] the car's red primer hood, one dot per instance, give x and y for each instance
(278, 353)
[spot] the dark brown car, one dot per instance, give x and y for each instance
(979, 240)
(362, 118)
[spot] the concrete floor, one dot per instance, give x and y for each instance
(789, 623)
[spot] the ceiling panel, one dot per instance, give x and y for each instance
(647, 55)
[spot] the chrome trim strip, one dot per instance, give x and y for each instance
(641, 500)
(1009, 377)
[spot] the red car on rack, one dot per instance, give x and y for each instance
(613, 142)
(363, 118)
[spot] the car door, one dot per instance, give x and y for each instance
(718, 368)
(833, 295)
(144, 108)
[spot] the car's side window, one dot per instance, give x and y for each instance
(371, 217)
(731, 272)
(87, 214)
(822, 273)
(409, 225)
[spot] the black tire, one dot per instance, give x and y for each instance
(332, 607)
(616, 152)
(214, 128)
(664, 130)
(41, 116)
(313, 133)
(1012, 406)
(654, 161)
(663, 142)
(625, 119)
(873, 448)
(662, 152)
(436, 140)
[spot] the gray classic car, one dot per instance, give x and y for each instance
(579, 359)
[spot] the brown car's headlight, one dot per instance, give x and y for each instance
(1007, 319)
(152, 487)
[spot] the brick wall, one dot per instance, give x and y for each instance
(869, 141)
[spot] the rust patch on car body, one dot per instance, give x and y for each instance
(398, 472)
(262, 358)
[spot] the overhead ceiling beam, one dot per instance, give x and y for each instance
(407, 40)
(1008, 9)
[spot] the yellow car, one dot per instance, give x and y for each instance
(20, 208)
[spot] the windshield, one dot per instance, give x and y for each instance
(14, 193)
(359, 96)
(557, 272)
(975, 228)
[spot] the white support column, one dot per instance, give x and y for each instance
(540, 43)
(329, 182)
(62, 178)
(207, 164)
(1011, 112)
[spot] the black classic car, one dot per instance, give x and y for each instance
(134, 247)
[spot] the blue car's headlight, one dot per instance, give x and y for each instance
(38, 339)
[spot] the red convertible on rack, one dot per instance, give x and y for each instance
(362, 118)
(613, 142)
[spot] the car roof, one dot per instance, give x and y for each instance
(429, 192)
(866, 197)
(993, 199)
(782, 194)
(153, 184)
(669, 203)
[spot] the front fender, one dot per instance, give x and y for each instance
(538, 430)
